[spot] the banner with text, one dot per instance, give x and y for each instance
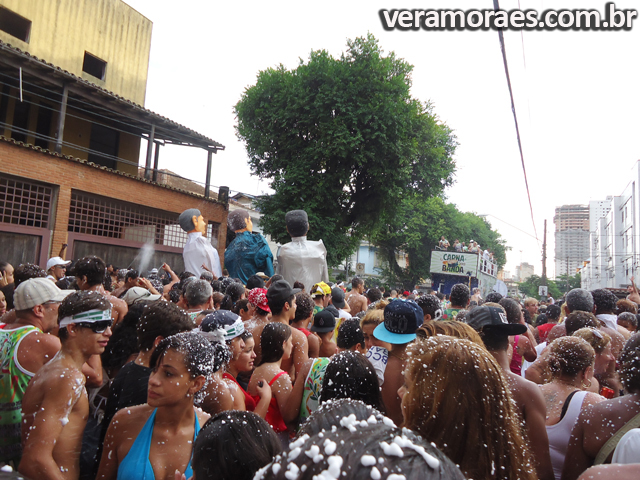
(454, 263)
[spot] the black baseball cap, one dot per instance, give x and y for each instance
(323, 322)
(337, 297)
(494, 320)
(401, 320)
(280, 291)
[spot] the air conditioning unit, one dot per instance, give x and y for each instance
(360, 268)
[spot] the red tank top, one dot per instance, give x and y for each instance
(516, 358)
(305, 331)
(274, 417)
(249, 402)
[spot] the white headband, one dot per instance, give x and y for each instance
(215, 336)
(90, 316)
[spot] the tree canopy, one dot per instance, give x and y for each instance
(530, 287)
(343, 139)
(416, 230)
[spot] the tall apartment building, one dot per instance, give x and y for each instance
(615, 243)
(523, 271)
(571, 238)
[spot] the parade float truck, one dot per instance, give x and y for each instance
(472, 269)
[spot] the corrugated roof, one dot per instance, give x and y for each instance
(151, 117)
(213, 196)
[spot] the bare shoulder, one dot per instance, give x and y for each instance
(620, 472)
(592, 399)
(202, 416)
(38, 344)
(129, 418)
(524, 390)
(298, 336)
(56, 374)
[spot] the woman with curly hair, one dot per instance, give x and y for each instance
(602, 346)
(456, 396)
(571, 361)
(452, 328)
(594, 436)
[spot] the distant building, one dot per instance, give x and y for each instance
(614, 242)
(571, 238)
(73, 76)
(523, 271)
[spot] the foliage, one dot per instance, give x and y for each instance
(530, 287)
(566, 283)
(343, 139)
(416, 230)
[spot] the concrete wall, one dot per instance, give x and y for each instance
(62, 30)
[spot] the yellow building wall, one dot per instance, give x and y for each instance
(78, 132)
(62, 30)
(129, 149)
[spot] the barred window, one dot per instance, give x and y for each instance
(25, 203)
(106, 217)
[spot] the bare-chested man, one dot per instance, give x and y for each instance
(90, 272)
(401, 320)
(55, 407)
(492, 325)
(355, 298)
(25, 346)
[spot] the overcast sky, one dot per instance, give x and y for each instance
(576, 93)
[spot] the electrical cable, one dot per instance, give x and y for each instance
(98, 153)
(496, 7)
(91, 112)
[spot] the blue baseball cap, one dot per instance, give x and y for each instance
(401, 320)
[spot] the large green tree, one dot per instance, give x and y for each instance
(530, 287)
(416, 230)
(343, 139)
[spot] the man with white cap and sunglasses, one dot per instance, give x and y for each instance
(25, 346)
(55, 406)
(57, 268)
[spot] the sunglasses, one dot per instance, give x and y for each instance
(97, 327)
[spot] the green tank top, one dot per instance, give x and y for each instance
(313, 387)
(13, 383)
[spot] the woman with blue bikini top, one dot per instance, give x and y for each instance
(154, 440)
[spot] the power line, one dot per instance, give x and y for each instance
(97, 153)
(496, 7)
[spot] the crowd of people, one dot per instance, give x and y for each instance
(112, 373)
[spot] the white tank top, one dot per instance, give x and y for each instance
(560, 433)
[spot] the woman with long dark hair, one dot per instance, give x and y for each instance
(154, 440)
(277, 344)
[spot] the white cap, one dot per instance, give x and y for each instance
(57, 261)
(138, 293)
(37, 291)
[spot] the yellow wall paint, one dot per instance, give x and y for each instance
(62, 30)
(129, 149)
(78, 132)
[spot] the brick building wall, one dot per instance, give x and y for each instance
(68, 173)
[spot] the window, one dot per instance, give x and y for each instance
(15, 25)
(94, 66)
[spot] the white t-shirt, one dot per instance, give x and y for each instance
(378, 356)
